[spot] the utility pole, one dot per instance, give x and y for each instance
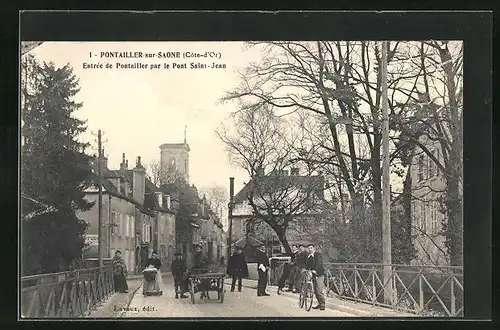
(99, 175)
(386, 197)
(230, 218)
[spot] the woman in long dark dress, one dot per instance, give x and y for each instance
(119, 273)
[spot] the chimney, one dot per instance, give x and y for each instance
(294, 171)
(138, 182)
(122, 164)
(159, 196)
(126, 164)
(168, 202)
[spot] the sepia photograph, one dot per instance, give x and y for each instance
(238, 179)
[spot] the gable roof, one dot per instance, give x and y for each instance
(274, 183)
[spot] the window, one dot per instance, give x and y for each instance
(118, 224)
(434, 208)
(144, 233)
(421, 168)
(132, 226)
(127, 225)
(423, 217)
(437, 154)
(150, 233)
(112, 222)
(243, 227)
(430, 168)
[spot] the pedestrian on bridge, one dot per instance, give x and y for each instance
(178, 269)
(237, 268)
(119, 273)
(263, 269)
(299, 267)
(288, 271)
(315, 264)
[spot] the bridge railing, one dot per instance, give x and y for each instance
(423, 290)
(67, 294)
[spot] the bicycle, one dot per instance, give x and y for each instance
(306, 291)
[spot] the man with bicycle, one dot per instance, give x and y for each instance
(299, 267)
(315, 264)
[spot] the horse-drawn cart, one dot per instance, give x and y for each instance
(206, 282)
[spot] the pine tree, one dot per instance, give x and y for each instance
(54, 167)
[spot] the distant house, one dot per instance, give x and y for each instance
(303, 196)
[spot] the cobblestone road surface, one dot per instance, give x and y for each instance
(236, 304)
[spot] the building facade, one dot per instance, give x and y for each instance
(428, 187)
(249, 229)
(135, 221)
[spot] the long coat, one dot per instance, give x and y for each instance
(178, 268)
(237, 266)
(262, 259)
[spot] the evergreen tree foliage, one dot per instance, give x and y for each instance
(54, 167)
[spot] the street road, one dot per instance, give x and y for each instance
(236, 304)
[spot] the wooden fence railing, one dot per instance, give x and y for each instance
(422, 290)
(67, 294)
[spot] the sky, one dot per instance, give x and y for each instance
(140, 109)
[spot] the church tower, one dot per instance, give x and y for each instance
(176, 156)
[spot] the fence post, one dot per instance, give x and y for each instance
(394, 287)
(420, 292)
(355, 281)
(374, 288)
(452, 294)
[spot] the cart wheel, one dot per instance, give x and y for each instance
(191, 289)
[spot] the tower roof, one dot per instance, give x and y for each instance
(175, 146)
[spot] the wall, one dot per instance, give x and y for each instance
(122, 235)
(117, 210)
(166, 238)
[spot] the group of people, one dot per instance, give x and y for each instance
(302, 259)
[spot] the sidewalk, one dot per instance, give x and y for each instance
(118, 302)
(351, 307)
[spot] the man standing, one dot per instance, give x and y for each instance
(289, 270)
(237, 268)
(300, 267)
(263, 268)
(200, 266)
(178, 269)
(315, 264)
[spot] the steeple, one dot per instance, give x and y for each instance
(185, 134)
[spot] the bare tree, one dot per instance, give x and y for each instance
(161, 175)
(263, 145)
(218, 198)
(434, 129)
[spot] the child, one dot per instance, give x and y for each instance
(178, 271)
